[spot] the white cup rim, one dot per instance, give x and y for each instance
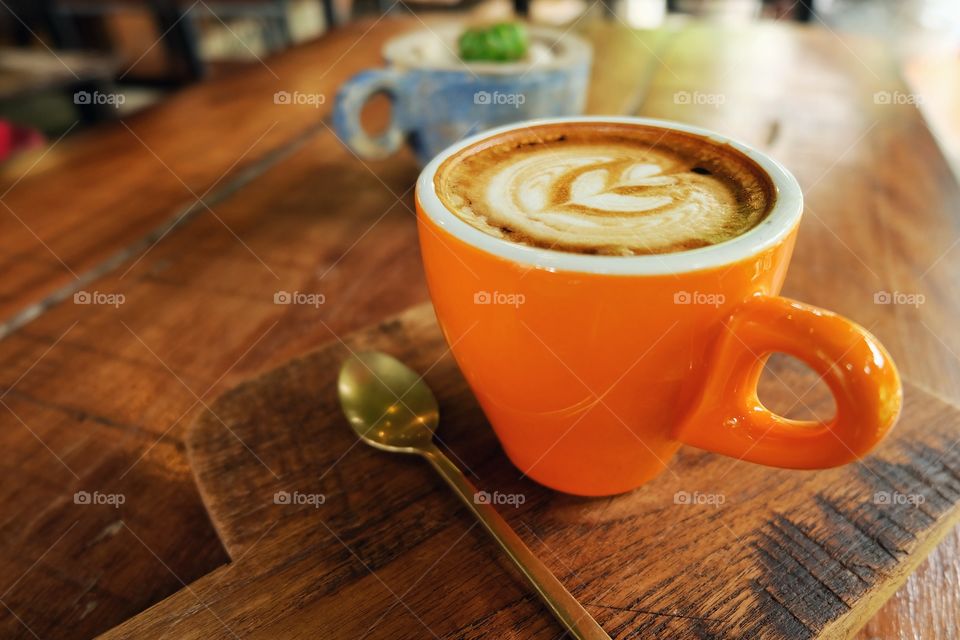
(786, 212)
(569, 50)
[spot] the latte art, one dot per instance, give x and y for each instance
(621, 190)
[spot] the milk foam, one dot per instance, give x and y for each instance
(609, 194)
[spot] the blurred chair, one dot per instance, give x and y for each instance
(27, 17)
(177, 22)
(274, 15)
(171, 21)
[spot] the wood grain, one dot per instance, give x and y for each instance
(84, 204)
(761, 552)
(100, 387)
(879, 215)
(97, 397)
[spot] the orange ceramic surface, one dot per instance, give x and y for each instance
(592, 380)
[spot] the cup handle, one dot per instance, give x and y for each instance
(728, 417)
(351, 97)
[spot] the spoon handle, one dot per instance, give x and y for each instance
(567, 610)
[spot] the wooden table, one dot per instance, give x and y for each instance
(935, 79)
(199, 211)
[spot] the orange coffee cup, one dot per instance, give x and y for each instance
(594, 369)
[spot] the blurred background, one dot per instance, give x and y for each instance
(53, 53)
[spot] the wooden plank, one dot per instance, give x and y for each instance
(198, 315)
(91, 196)
(934, 81)
(880, 213)
(389, 553)
(160, 166)
(625, 63)
(874, 180)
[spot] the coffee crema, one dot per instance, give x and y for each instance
(605, 188)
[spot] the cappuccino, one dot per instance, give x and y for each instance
(605, 188)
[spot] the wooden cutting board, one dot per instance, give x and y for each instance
(332, 539)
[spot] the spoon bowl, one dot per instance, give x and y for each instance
(391, 408)
(387, 403)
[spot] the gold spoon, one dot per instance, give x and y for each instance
(392, 408)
